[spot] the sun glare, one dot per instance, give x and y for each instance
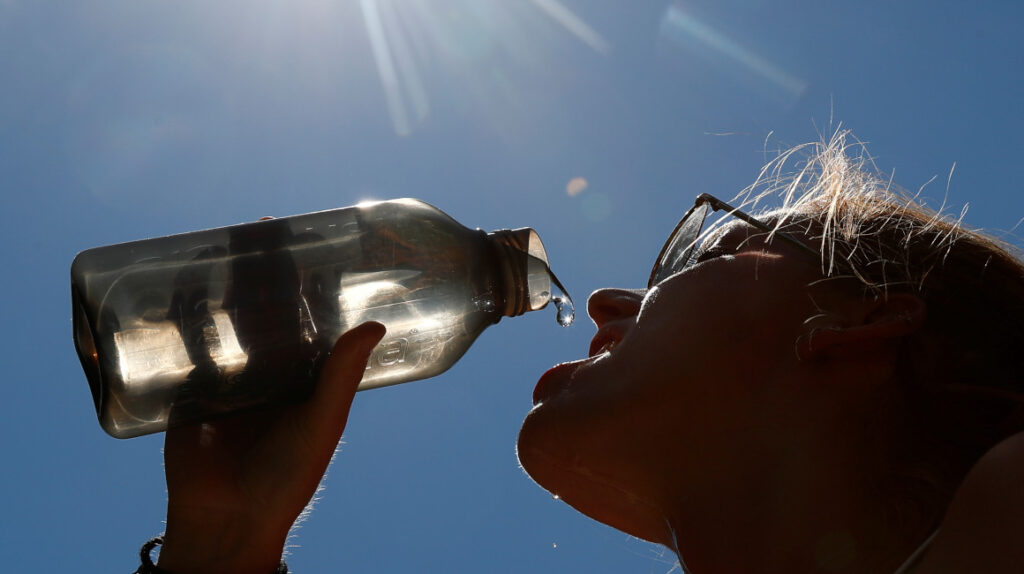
(408, 38)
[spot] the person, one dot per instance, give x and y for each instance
(830, 386)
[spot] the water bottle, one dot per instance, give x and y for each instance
(181, 329)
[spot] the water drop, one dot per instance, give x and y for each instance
(566, 311)
(563, 303)
(555, 497)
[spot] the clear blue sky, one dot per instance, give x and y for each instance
(127, 119)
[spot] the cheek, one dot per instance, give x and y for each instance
(746, 310)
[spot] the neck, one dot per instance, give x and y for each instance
(792, 525)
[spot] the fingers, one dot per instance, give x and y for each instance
(339, 380)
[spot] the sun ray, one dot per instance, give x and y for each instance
(385, 66)
(676, 21)
(408, 74)
(573, 24)
(480, 44)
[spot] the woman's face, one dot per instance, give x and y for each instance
(688, 386)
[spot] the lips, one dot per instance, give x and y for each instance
(559, 377)
(603, 342)
(607, 337)
(555, 380)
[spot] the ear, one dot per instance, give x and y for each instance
(891, 317)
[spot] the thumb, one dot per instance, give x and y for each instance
(329, 406)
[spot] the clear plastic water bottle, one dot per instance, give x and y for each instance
(180, 329)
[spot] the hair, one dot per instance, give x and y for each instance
(961, 380)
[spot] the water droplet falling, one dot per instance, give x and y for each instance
(566, 311)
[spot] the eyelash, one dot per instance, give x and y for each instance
(710, 253)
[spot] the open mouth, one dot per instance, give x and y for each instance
(604, 348)
(604, 341)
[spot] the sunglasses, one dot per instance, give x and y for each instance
(677, 253)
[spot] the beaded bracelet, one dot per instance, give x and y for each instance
(147, 566)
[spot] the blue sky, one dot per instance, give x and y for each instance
(126, 119)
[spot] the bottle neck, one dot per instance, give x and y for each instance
(522, 270)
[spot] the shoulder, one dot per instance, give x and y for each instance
(983, 530)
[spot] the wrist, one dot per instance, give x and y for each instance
(211, 543)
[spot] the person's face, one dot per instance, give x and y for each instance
(687, 386)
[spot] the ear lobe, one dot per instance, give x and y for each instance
(896, 315)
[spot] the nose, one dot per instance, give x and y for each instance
(607, 305)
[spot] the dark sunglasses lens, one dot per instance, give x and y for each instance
(677, 252)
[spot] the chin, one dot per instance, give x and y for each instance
(554, 464)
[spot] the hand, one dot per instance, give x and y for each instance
(236, 485)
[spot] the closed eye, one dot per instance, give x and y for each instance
(715, 245)
(711, 252)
